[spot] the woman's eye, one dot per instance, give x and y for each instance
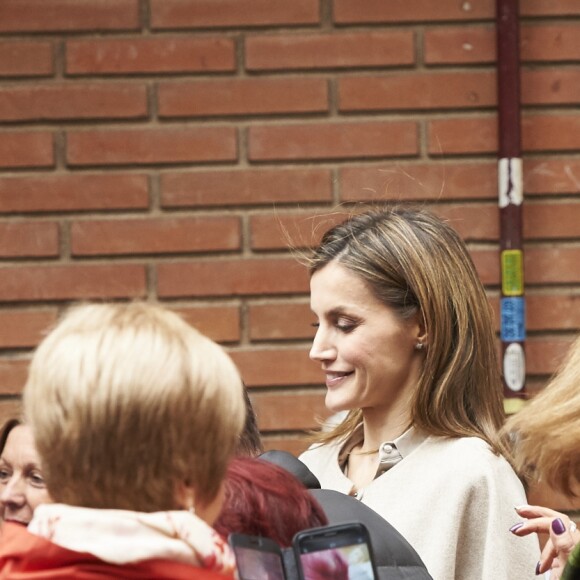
(5, 475)
(345, 325)
(36, 479)
(315, 325)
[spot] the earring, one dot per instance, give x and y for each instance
(419, 346)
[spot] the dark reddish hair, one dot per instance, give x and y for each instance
(262, 499)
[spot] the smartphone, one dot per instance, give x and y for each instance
(257, 558)
(340, 552)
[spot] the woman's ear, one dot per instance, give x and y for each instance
(421, 337)
(184, 496)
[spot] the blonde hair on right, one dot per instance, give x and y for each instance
(127, 402)
(546, 432)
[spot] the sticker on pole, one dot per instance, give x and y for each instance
(512, 273)
(514, 367)
(513, 319)
(510, 182)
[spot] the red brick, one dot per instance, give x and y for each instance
(362, 11)
(550, 43)
(473, 222)
(338, 50)
(551, 220)
(551, 133)
(552, 8)
(291, 443)
(272, 410)
(553, 312)
(24, 328)
(220, 13)
(463, 45)
(68, 192)
(468, 135)
(67, 102)
(545, 355)
(231, 278)
(550, 87)
(25, 58)
(28, 239)
(10, 409)
(281, 321)
(487, 265)
(64, 15)
(220, 323)
(13, 375)
(245, 187)
(155, 236)
(44, 283)
(277, 367)
(552, 176)
(436, 181)
(418, 91)
(151, 146)
(552, 265)
(243, 97)
(26, 149)
(333, 141)
(295, 230)
(149, 55)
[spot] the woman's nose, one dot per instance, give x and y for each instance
(322, 348)
(12, 492)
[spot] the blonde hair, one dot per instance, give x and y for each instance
(546, 432)
(417, 265)
(126, 403)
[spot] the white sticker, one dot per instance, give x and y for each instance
(510, 182)
(514, 367)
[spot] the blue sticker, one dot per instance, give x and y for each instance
(513, 319)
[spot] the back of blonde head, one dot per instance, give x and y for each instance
(128, 401)
(547, 431)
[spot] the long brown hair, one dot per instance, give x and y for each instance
(416, 264)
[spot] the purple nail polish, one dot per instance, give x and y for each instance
(558, 526)
(516, 527)
(538, 569)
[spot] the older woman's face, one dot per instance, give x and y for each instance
(22, 486)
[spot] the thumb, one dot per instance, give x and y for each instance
(562, 540)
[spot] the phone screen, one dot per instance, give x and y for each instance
(254, 563)
(342, 556)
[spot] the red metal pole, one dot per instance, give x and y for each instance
(510, 193)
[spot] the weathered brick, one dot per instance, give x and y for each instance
(552, 176)
(291, 443)
(28, 239)
(25, 58)
(221, 13)
(267, 367)
(550, 43)
(407, 182)
(71, 282)
(281, 321)
(149, 55)
(294, 230)
(473, 222)
(418, 91)
(248, 96)
(552, 8)
(551, 133)
(64, 15)
(459, 45)
(333, 141)
(13, 375)
(231, 278)
(550, 87)
(19, 149)
(73, 101)
(220, 323)
(10, 409)
(24, 328)
(68, 192)
(545, 355)
(272, 410)
(371, 11)
(548, 312)
(151, 146)
(551, 220)
(552, 265)
(155, 236)
(337, 50)
(245, 187)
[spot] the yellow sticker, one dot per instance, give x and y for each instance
(512, 273)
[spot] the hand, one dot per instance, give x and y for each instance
(561, 542)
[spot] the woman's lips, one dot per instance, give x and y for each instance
(334, 379)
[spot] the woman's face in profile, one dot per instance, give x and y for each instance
(22, 486)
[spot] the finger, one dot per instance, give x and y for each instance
(535, 511)
(561, 538)
(549, 553)
(536, 525)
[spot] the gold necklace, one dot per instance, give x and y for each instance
(371, 452)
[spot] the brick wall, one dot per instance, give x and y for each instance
(166, 149)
